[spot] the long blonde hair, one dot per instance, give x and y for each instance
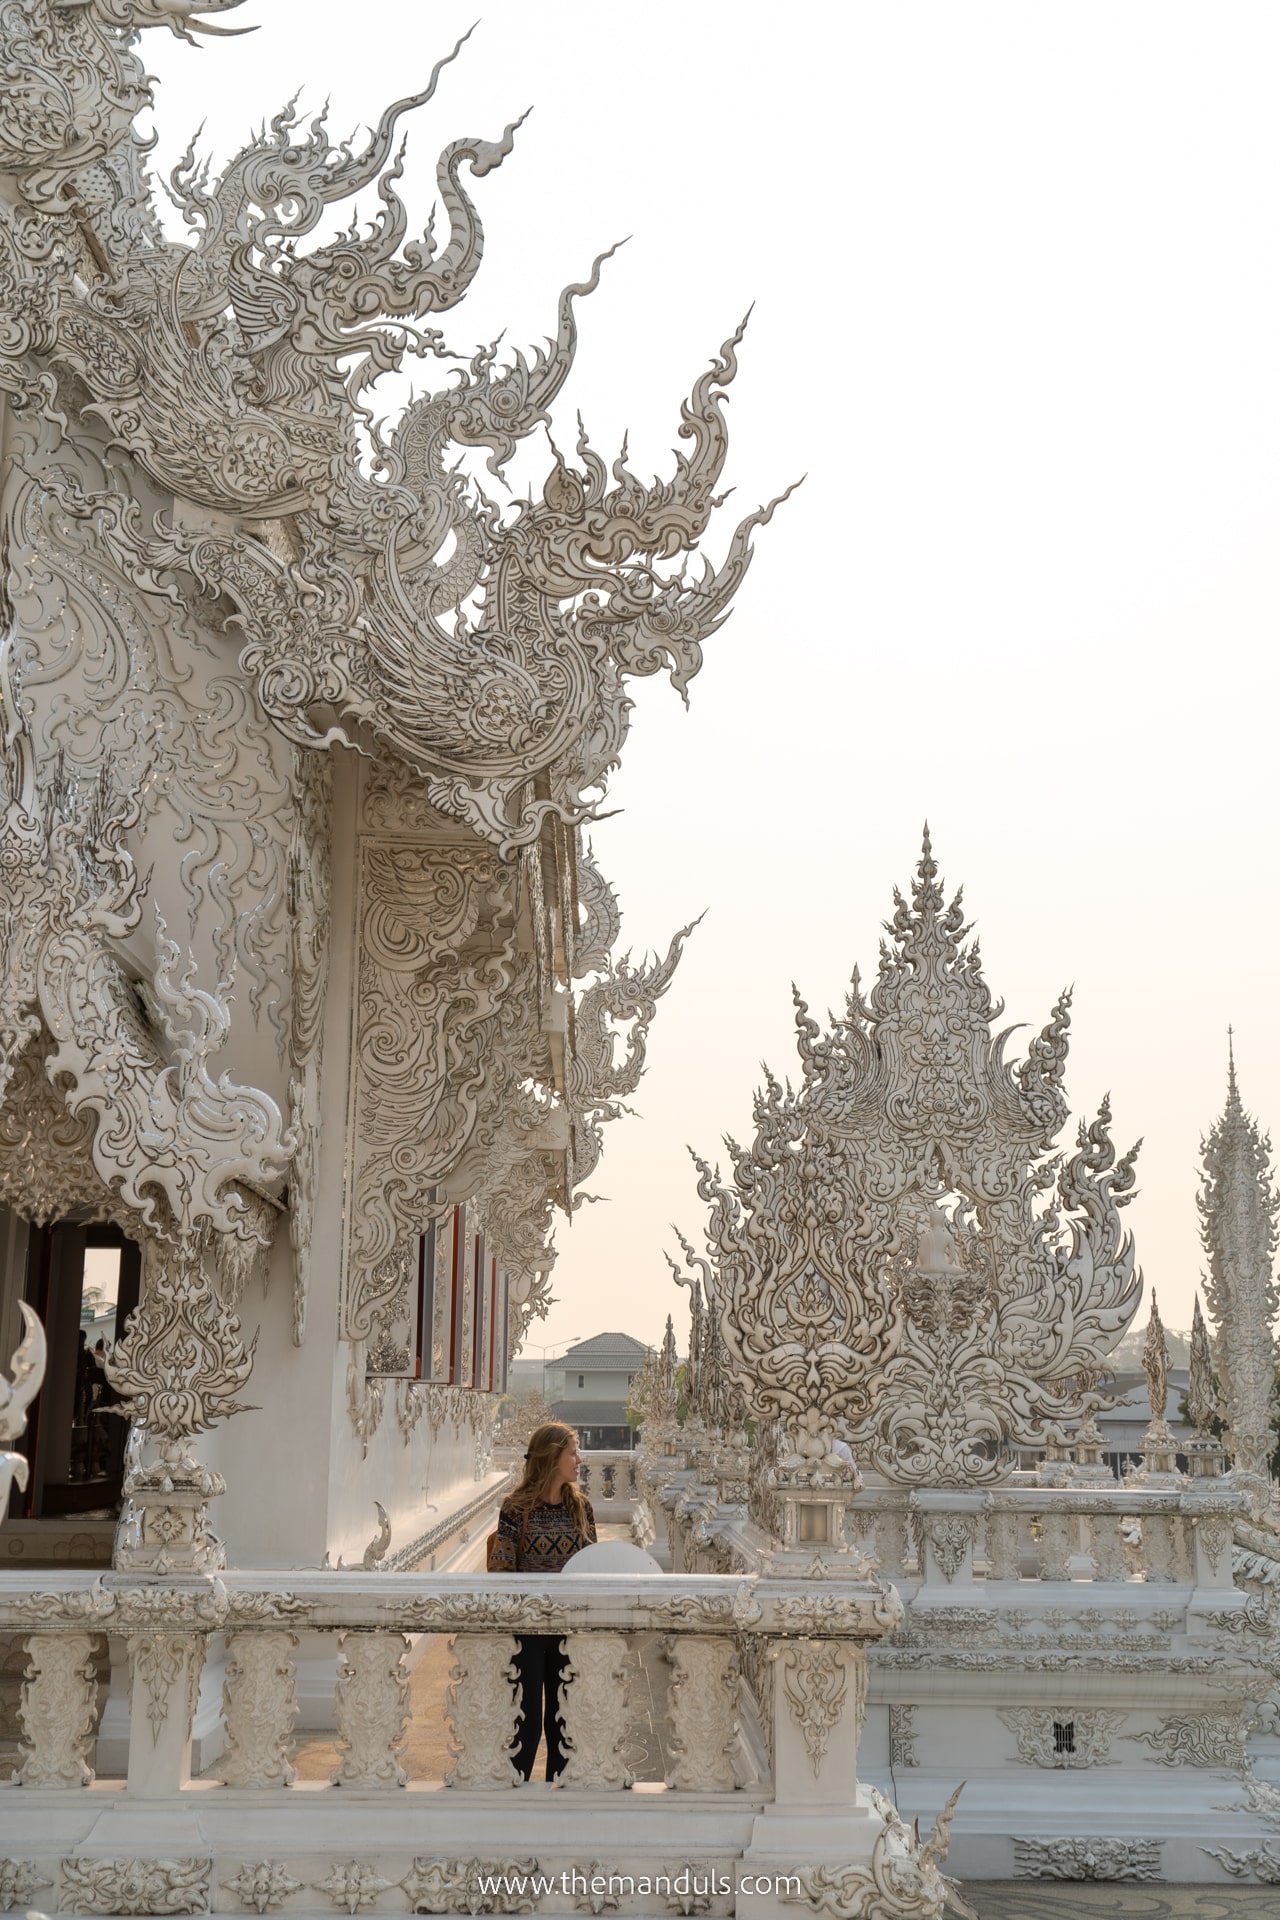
(537, 1485)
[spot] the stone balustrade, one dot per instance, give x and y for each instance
(1048, 1534)
(1158, 1535)
(608, 1478)
(762, 1710)
(167, 1626)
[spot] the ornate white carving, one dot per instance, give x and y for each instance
(902, 1736)
(136, 1886)
(1238, 1205)
(1063, 1736)
(942, 1319)
(1201, 1740)
(58, 1711)
(1202, 1396)
(46, 1157)
(263, 1885)
(1260, 1863)
(1103, 1859)
(236, 589)
(372, 1709)
(259, 1706)
(1159, 1448)
(949, 1538)
(703, 1708)
(471, 1886)
(353, 1885)
(903, 1881)
(593, 1711)
(309, 898)
(19, 1879)
(815, 1680)
(480, 1710)
(28, 1365)
(421, 1036)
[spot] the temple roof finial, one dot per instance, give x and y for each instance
(1233, 1091)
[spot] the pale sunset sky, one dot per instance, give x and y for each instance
(1016, 274)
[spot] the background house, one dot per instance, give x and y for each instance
(589, 1384)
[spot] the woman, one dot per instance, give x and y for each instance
(540, 1526)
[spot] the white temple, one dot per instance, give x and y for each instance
(309, 1019)
(901, 1259)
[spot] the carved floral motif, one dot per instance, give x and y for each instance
(19, 1880)
(263, 1885)
(815, 1680)
(136, 1886)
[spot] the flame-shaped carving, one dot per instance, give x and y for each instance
(883, 1252)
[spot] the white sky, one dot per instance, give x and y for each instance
(1017, 282)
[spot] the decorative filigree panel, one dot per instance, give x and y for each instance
(900, 1246)
(435, 963)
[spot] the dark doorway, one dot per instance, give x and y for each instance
(83, 1280)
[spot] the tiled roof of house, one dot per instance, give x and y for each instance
(603, 1348)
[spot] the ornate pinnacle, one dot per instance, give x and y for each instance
(1238, 1205)
(1202, 1401)
(1155, 1364)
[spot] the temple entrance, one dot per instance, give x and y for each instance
(82, 1278)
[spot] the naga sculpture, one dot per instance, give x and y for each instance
(220, 569)
(900, 1249)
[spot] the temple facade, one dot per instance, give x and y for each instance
(310, 1020)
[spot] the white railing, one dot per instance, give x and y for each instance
(1174, 1536)
(767, 1680)
(608, 1476)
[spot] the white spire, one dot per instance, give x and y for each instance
(1238, 1205)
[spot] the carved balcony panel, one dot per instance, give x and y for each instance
(259, 1704)
(1107, 1544)
(58, 1711)
(594, 1711)
(704, 1713)
(1006, 1532)
(371, 1707)
(481, 1711)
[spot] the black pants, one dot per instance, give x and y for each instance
(540, 1664)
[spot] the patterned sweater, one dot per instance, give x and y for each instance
(538, 1542)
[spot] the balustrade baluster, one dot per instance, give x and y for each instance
(1107, 1544)
(1159, 1550)
(891, 1540)
(259, 1706)
(594, 1711)
(1053, 1549)
(703, 1711)
(1004, 1529)
(58, 1710)
(372, 1710)
(481, 1711)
